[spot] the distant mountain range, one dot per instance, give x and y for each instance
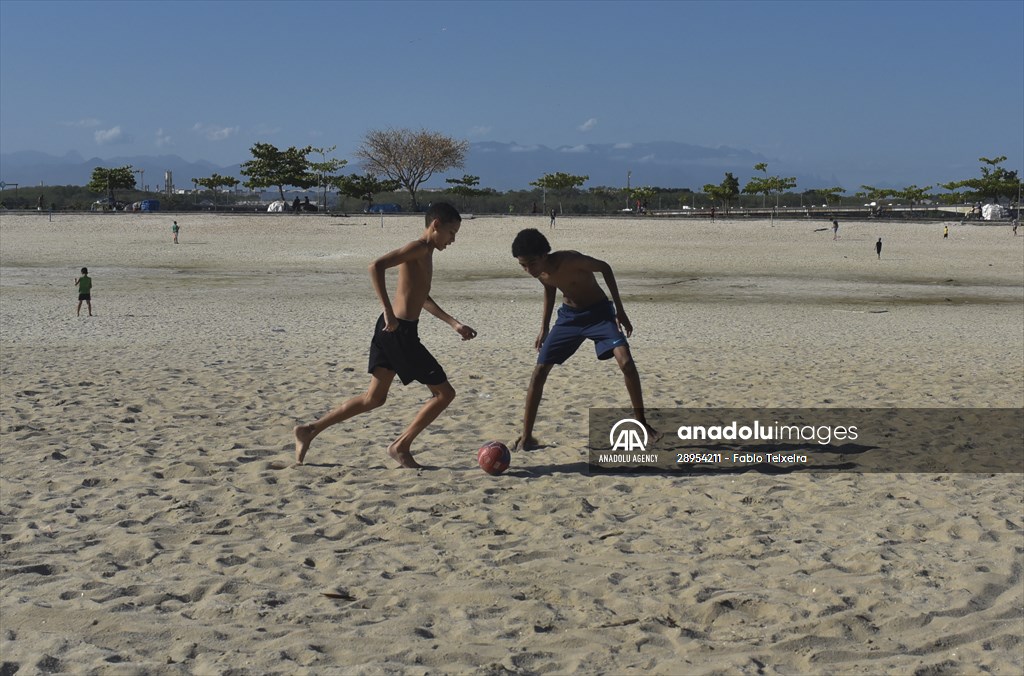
(501, 166)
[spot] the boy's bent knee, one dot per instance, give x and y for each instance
(375, 399)
(445, 392)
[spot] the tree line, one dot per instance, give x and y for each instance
(403, 159)
(994, 183)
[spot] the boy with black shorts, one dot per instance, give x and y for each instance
(586, 313)
(396, 348)
(84, 284)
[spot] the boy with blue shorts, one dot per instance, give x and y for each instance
(586, 313)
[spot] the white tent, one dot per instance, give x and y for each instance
(992, 212)
(277, 206)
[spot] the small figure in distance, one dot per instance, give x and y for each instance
(396, 348)
(586, 313)
(553, 213)
(835, 229)
(174, 231)
(84, 284)
(878, 248)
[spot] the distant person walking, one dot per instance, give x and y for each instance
(835, 229)
(712, 214)
(296, 205)
(945, 232)
(878, 248)
(84, 284)
(174, 231)
(553, 214)
(1016, 222)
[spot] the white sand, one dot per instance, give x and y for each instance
(146, 526)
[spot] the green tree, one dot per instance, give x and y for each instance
(914, 195)
(465, 186)
(410, 157)
(642, 193)
(726, 191)
(875, 194)
(767, 185)
(273, 167)
(215, 181)
(108, 180)
(325, 169)
(364, 187)
(995, 182)
(762, 167)
(560, 183)
(606, 195)
(830, 195)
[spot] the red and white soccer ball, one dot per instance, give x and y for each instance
(494, 457)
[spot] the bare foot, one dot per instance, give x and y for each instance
(530, 444)
(304, 435)
(655, 435)
(403, 456)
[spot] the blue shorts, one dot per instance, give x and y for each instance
(574, 325)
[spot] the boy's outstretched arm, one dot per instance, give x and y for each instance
(433, 308)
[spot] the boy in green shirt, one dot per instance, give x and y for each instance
(84, 284)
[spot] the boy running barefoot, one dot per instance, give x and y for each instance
(396, 347)
(586, 313)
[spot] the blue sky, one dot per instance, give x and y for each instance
(869, 92)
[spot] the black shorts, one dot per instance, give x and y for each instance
(84, 296)
(402, 352)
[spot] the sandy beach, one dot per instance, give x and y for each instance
(152, 519)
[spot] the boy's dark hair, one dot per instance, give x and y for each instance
(530, 242)
(85, 271)
(443, 212)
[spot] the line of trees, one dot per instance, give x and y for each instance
(404, 159)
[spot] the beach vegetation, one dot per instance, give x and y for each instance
(874, 194)
(995, 182)
(914, 195)
(325, 170)
(828, 196)
(561, 184)
(608, 196)
(410, 157)
(768, 185)
(271, 167)
(106, 180)
(642, 194)
(725, 192)
(215, 182)
(364, 186)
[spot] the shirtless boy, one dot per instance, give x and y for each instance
(586, 313)
(396, 347)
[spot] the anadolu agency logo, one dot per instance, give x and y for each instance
(628, 435)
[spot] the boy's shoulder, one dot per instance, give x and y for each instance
(418, 244)
(566, 256)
